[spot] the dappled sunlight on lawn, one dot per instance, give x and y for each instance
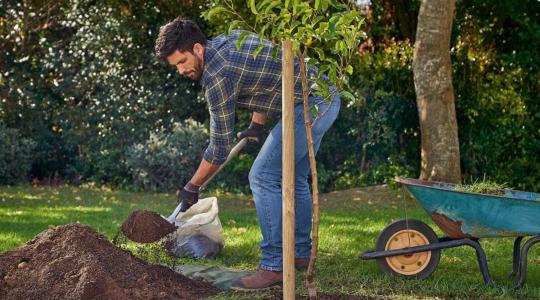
(12, 237)
(350, 223)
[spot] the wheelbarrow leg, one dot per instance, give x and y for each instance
(515, 260)
(482, 261)
(523, 260)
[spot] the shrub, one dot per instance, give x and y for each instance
(15, 155)
(167, 159)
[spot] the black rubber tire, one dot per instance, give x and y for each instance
(411, 224)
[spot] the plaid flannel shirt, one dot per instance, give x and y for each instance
(233, 78)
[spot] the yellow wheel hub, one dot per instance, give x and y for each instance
(409, 264)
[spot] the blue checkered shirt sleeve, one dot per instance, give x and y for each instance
(221, 96)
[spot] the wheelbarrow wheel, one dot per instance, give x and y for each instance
(408, 233)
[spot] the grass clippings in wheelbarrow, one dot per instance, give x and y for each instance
(76, 262)
(483, 187)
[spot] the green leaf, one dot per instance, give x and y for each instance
(322, 85)
(341, 46)
(260, 6)
(332, 74)
(331, 62)
(275, 52)
(332, 23)
(317, 4)
(234, 25)
(287, 2)
(271, 6)
(252, 6)
(241, 39)
(305, 19)
(316, 20)
(347, 95)
(257, 51)
(324, 5)
(349, 17)
(320, 53)
(314, 111)
(323, 27)
(296, 4)
(349, 69)
(214, 11)
(262, 31)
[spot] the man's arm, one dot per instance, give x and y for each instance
(258, 118)
(221, 95)
(207, 169)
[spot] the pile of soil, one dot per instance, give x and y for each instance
(144, 226)
(75, 262)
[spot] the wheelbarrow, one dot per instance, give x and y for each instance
(409, 248)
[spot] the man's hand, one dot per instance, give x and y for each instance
(188, 196)
(253, 132)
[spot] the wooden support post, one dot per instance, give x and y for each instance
(288, 169)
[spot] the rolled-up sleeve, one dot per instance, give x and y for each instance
(221, 95)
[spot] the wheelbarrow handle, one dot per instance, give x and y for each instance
(234, 152)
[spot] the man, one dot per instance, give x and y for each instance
(232, 78)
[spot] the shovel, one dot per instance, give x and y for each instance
(234, 151)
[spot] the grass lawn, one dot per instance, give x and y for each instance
(350, 223)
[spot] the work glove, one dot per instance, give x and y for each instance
(253, 133)
(188, 196)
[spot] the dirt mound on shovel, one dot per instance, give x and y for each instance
(144, 226)
(75, 262)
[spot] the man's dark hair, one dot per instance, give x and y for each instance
(179, 34)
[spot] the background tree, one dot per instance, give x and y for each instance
(46, 97)
(435, 94)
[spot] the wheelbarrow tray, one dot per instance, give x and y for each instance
(473, 215)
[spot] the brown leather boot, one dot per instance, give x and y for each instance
(260, 280)
(301, 264)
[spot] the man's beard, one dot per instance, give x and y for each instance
(197, 69)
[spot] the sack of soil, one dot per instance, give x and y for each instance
(199, 233)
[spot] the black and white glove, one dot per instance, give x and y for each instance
(188, 196)
(253, 133)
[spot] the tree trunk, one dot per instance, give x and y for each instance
(434, 92)
(310, 276)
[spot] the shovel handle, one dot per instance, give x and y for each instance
(234, 152)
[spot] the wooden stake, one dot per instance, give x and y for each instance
(288, 169)
(310, 277)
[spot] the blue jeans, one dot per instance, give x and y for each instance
(265, 182)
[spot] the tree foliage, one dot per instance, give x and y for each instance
(65, 101)
(327, 32)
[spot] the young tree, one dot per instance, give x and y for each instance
(323, 32)
(434, 92)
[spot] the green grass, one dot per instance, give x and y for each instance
(482, 187)
(350, 223)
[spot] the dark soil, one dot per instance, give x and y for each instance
(146, 227)
(75, 262)
(278, 295)
(338, 297)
